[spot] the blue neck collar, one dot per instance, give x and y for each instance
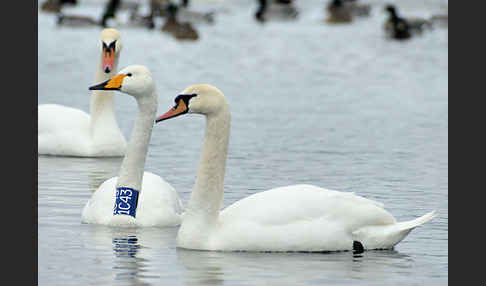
(126, 201)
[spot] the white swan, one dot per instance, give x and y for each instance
(291, 218)
(66, 131)
(135, 197)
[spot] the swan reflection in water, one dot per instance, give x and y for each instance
(131, 256)
(292, 268)
(127, 265)
(139, 257)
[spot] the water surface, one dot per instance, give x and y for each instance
(335, 106)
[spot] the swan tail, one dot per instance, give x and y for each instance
(387, 236)
(411, 224)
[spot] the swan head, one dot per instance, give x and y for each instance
(111, 46)
(201, 99)
(135, 80)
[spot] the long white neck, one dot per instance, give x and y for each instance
(132, 167)
(102, 102)
(206, 199)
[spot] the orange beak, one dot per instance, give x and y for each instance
(113, 83)
(179, 109)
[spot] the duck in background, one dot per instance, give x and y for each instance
(159, 8)
(403, 28)
(338, 12)
(54, 6)
(110, 11)
(156, 10)
(361, 10)
(76, 21)
(396, 27)
(276, 10)
(441, 20)
(83, 21)
(179, 30)
(146, 20)
(343, 11)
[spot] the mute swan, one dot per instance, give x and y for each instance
(66, 131)
(140, 198)
(292, 218)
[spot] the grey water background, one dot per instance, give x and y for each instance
(339, 107)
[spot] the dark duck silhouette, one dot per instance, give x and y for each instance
(181, 31)
(76, 20)
(358, 9)
(339, 12)
(403, 28)
(441, 20)
(83, 21)
(275, 9)
(54, 6)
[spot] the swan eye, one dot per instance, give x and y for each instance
(129, 74)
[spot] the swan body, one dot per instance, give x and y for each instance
(155, 207)
(66, 131)
(305, 218)
(135, 197)
(292, 218)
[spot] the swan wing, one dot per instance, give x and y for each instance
(290, 204)
(298, 218)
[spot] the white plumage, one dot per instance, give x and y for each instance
(66, 131)
(291, 218)
(158, 202)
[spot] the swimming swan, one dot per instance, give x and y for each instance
(292, 218)
(66, 131)
(135, 197)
